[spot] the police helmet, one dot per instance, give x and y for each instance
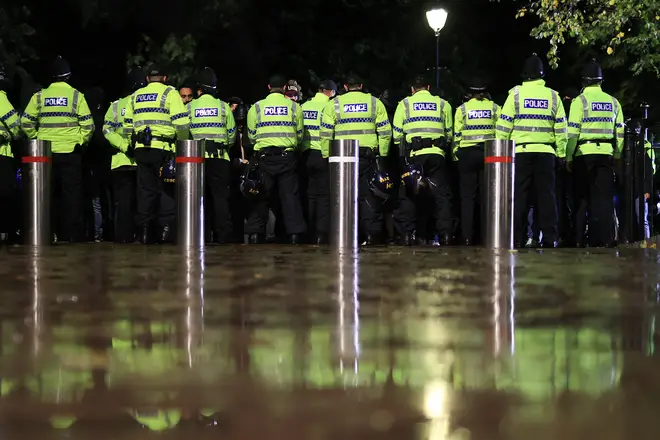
(251, 186)
(533, 68)
(413, 179)
(136, 79)
(240, 112)
(60, 69)
(168, 172)
(353, 80)
(207, 79)
(381, 185)
(592, 71)
(276, 81)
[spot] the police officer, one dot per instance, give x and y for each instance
(9, 130)
(533, 116)
(155, 118)
(275, 128)
(237, 203)
(360, 116)
(60, 114)
(318, 183)
(596, 134)
(423, 122)
(211, 120)
(123, 167)
(474, 124)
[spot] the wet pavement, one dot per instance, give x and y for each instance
(252, 342)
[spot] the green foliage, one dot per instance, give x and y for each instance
(15, 34)
(177, 54)
(621, 32)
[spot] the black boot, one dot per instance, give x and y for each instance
(467, 242)
(548, 244)
(166, 234)
(407, 240)
(295, 239)
(373, 239)
(144, 236)
(445, 240)
(321, 239)
(255, 239)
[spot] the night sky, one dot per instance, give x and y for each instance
(386, 42)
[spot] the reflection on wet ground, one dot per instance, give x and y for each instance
(104, 342)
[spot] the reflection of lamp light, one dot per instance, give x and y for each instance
(437, 19)
(435, 394)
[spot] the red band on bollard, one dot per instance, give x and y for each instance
(189, 160)
(35, 159)
(498, 159)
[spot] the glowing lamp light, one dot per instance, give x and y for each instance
(437, 19)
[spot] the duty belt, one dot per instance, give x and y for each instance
(214, 149)
(524, 144)
(272, 151)
(419, 143)
(596, 141)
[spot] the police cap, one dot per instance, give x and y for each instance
(136, 79)
(354, 80)
(277, 81)
(156, 69)
(60, 68)
(477, 84)
(592, 71)
(533, 68)
(328, 84)
(207, 78)
(419, 82)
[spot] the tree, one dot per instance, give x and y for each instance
(177, 54)
(619, 32)
(15, 32)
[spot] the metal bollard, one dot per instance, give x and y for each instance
(190, 193)
(348, 350)
(344, 163)
(499, 178)
(37, 164)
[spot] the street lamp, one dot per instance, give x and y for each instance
(437, 19)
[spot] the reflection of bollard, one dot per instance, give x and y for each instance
(348, 316)
(190, 193)
(503, 300)
(499, 178)
(37, 163)
(344, 195)
(194, 318)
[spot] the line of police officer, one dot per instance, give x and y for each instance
(283, 135)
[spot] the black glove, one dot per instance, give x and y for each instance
(212, 149)
(130, 151)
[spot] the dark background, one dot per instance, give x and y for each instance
(386, 42)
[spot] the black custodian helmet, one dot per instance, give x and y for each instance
(533, 68)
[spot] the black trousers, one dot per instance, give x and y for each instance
(217, 176)
(318, 192)
(67, 201)
(10, 214)
(471, 188)
(594, 192)
(535, 172)
(149, 184)
(435, 202)
(370, 207)
(123, 189)
(278, 172)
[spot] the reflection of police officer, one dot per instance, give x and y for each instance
(275, 127)
(211, 120)
(474, 124)
(533, 116)
(424, 123)
(360, 116)
(155, 116)
(596, 136)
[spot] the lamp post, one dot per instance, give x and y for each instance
(437, 19)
